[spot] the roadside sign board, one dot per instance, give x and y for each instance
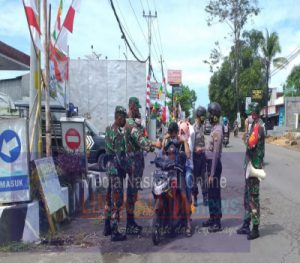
(14, 160)
(50, 184)
(72, 139)
(177, 89)
(174, 77)
(73, 136)
(247, 102)
(257, 94)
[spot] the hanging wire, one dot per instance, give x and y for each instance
(123, 34)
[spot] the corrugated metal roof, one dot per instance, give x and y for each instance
(13, 59)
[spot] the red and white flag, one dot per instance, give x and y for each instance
(31, 13)
(67, 27)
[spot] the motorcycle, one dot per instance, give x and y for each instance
(226, 135)
(169, 216)
(226, 139)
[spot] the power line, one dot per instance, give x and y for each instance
(142, 5)
(157, 45)
(138, 21)
(148, 5)
(123, 34)
(290, 58)
(127, 30)
(154, 3)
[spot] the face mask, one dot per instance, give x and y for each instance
(138, 121)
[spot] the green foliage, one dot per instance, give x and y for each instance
(270, 46)
(186, 97)
(252, 75)
(15, 247)
(292, 85)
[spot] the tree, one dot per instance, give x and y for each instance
(186, 97)
(270, 47)
(252, 75)
(292, 85)
(235, 14)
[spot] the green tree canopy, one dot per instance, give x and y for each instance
(186, 97)
(252, 75)
(292, 84)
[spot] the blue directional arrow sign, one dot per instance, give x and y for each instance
(10, 146)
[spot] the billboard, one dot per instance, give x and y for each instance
(174, 77)
(50, 184)
(257, 94)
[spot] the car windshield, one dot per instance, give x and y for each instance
(92, 127)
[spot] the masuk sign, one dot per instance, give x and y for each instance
(14, 159)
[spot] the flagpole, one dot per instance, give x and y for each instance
(46, 84)
(34, 104)
(35, 51)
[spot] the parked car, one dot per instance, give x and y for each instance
(96, 153)
(207, 127)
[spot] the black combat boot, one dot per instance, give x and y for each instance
(208, 223)
(107, 228)
(132, 228)
(244, 229)
(254, 233)
(116, 235)
(215, 227)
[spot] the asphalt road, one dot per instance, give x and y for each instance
(280, 227)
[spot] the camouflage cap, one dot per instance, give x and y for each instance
(121, 110)
(136, 101)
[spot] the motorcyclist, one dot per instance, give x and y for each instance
(182, 142)
(226, 131)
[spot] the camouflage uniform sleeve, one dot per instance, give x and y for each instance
(109, 140)
(139, 138)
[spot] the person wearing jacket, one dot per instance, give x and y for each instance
(213, 156)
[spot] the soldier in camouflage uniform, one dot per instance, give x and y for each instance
(135, 143)
(115, 147)
(254, 154)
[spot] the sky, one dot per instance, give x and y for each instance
(179, 33)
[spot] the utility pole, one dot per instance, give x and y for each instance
(149, 19)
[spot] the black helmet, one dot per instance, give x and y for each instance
(254, 107)
(173, 127)
(214, 109)
(201, 111)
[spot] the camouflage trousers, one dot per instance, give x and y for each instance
(251, 201)
(134, 180)
(114, 197)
